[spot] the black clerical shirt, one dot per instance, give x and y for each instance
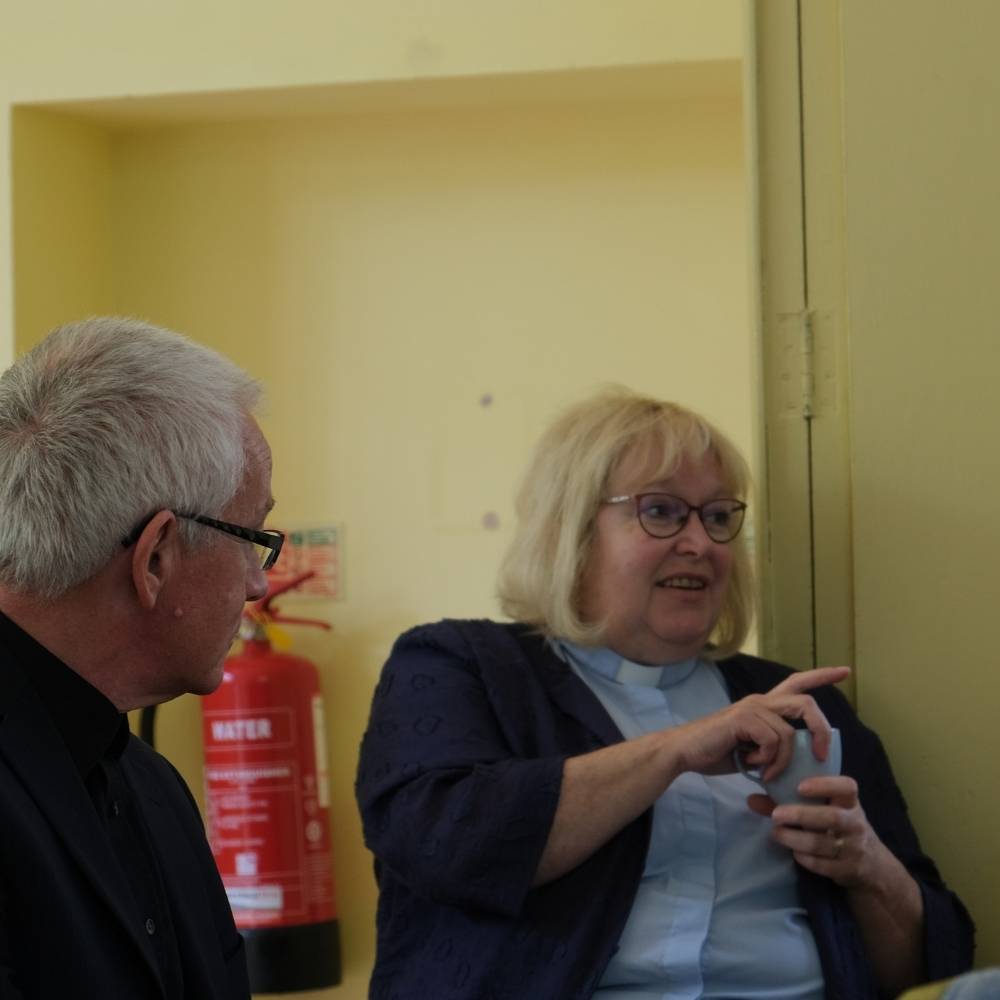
(95, 734)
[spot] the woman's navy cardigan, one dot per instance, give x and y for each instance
(458, 783)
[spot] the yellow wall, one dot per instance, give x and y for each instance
(192, 50)
(881, 113)
(64, 50)
(62, 220)
(385, 272)
(921, 155)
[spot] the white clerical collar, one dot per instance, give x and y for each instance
(638, 674)
(616, 668)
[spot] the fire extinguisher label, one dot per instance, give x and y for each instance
(319, 742)
(268, 816)
(255, 897)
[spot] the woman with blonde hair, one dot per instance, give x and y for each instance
(553, 803)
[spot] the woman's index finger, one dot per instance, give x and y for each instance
(806, 680)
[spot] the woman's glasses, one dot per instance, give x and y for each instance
(663, 516)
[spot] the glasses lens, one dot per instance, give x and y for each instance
(722, 519)
(268, 554)
(662, 515)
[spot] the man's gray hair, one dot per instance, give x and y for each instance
(104, 423)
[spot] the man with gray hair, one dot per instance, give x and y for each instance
(134, 483)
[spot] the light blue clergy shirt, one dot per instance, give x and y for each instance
(717, 912)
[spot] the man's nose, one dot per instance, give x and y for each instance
(256, 583)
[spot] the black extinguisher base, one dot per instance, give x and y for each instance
(288, 959)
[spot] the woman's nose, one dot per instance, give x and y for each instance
(693, 537)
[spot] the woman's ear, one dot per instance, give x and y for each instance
(154, 557)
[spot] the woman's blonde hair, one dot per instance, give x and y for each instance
(570, 473)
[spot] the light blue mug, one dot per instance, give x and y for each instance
(783, 788)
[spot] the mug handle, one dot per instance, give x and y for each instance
(753, 773)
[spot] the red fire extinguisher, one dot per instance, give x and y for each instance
(267, 804)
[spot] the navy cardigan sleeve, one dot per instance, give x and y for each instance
(458, 782)
(457, 811)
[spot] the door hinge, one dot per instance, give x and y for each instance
(795, 359)
(808, 355)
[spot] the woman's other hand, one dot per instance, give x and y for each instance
(833, 838)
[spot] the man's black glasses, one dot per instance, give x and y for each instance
(266, 542)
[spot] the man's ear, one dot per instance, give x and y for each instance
(154, 557)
